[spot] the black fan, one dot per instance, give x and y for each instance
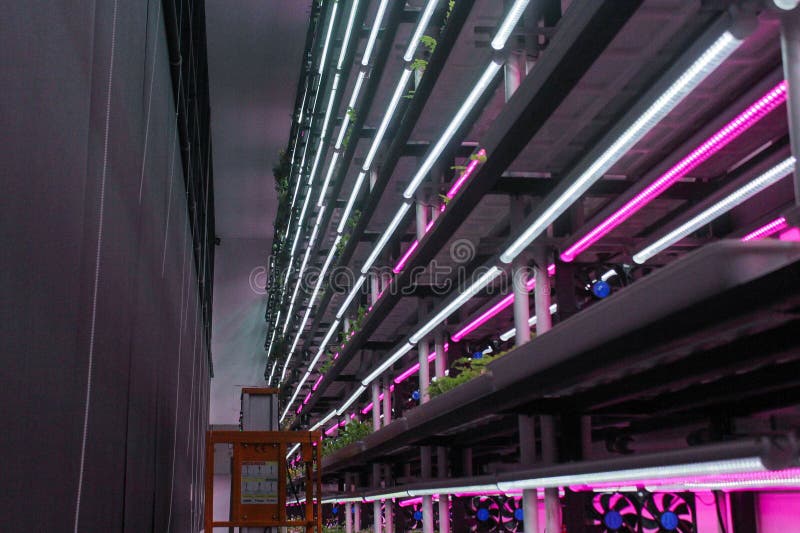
(485, 514)
(511, 515)
(665, 512)
(614, 511)
(412, 517)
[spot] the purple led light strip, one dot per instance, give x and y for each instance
(741, 123)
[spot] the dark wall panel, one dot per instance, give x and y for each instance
(100, 298)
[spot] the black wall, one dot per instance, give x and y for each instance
(104, 382)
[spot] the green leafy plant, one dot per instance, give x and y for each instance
(459, 168)
(479, 157)
(428, 42)
(342, 244)
(464, 369)
(346, 139)
(352, 432)
(419, 64)
(286, 425)
(410, 94)
(444, 198)
(354, 218)
(351, 114)
(325, 366)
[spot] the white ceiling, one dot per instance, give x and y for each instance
(255, 51)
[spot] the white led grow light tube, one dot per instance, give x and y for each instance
(292, 450)
(488, 487)
(373, 34)
(691, 78)
(509, 23)
(385, 236)
(389, 361)
(328, 176)
(709, 468)
(272, 372)
(353, 292)
(444, 139)
(387, 117)
(351, 201)
(347, 32)
(323, 344)
(331, 25)
(482, 281)
(323, 420)
(770, 177)
(531, 322)
(359, 391)
(422, 25)
(294, 396)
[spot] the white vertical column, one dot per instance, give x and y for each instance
(374, 287)
(544, 323)
(376, 405)
(388, 511)
(519, 281)
(527, 435)
(444, 499)
(440, 363)
(424, 371)
(552, 506)
(376, 505)
(387, 400)
(527, 452)
(513, 72)
(427, 501)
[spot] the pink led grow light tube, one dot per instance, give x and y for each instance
(410, 371)
(766, 230)
(319, 380)
(495, 309)
(368, 407)
(413, 369)
(401, 264)
(473, 164)
(741, 123)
